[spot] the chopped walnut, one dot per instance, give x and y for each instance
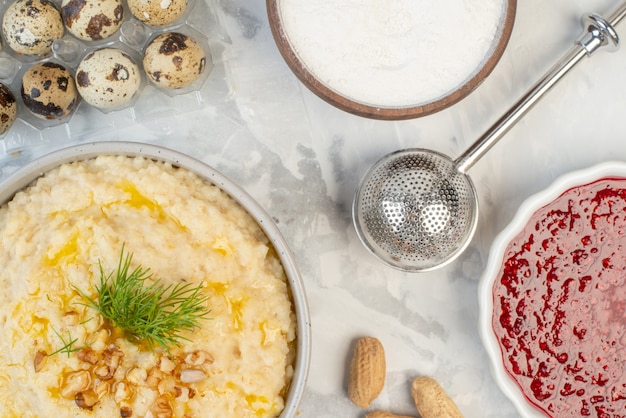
(75, 382)
(198, 358)
(126, 412)
(182, 394)
(88, 355)
(101, 389)
(167, 385)
(86, 400)
(137, 376)
(169, 378)
(122, 392)
(40, 360)
(104, 372)
(167, 365)
(162, 408)
(112, 356)
(111, 359)
(154, 377)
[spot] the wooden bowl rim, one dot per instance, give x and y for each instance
(382, 112)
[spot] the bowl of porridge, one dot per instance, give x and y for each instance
(139, 282)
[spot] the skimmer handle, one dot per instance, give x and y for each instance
(598, 32)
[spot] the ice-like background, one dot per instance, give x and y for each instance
(302, 159)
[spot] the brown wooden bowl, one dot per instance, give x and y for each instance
(385, 112)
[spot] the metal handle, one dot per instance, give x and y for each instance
(598, 33)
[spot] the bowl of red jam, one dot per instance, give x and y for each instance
(553, 299)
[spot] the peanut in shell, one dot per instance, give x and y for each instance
(367, 371)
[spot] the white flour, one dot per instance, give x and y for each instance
(392, 52)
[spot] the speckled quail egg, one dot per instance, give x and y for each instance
(174, 60)
(8, 108)
(157, 12)
(108, 78)
(49, 91)
(92, 20)
(30, 27)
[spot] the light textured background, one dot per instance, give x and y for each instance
(302, 160)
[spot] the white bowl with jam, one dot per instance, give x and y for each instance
(553, 300)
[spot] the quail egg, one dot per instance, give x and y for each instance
(30, 27)
(49, 91)
(108, 78)
(174, 60)
(157, 12)
(92, 20)
(8, 108)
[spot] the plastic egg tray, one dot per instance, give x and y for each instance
(199, 21)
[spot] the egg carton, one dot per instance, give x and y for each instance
(199, 21)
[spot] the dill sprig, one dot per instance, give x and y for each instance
(68, 344)
(156, 313)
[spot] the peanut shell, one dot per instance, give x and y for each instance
(431, 400)
(385, 414)
(367, 371)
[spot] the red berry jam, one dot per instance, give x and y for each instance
(560, 304)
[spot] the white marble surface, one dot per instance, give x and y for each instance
(302, 160)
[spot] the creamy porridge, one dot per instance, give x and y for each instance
(59, 357)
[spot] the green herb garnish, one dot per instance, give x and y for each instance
(156, 313)
(68, 344)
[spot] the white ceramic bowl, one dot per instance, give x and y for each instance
(27, 174)
(496, 257)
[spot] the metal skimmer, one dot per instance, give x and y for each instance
(417, 210)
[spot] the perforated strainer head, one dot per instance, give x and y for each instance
(415, 211)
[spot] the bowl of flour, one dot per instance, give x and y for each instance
(396, 59)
